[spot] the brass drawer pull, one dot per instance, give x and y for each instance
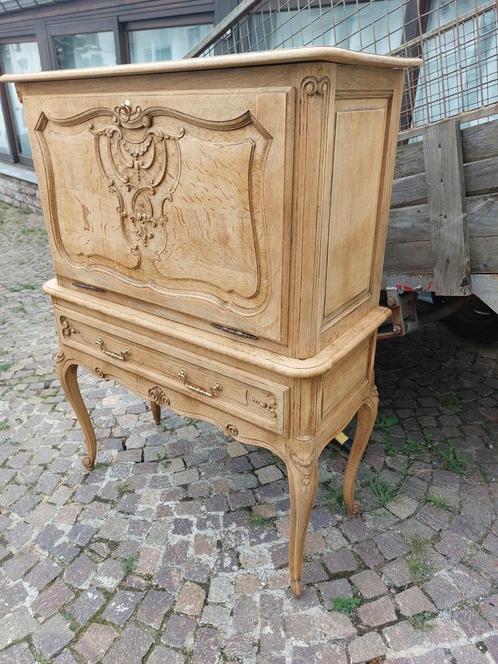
(211, 392)
(123, 355)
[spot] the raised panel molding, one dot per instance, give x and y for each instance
(182, 197)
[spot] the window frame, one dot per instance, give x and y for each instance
(157, 24)
(16, 156)
(76, 27)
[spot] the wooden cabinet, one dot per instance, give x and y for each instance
(217, 229)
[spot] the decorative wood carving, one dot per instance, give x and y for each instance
(66, 328)
(269, 406)
(157, 395)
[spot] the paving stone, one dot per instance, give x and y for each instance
(52, 636)
(154, 607)
(11, 597)
(179, 631)
(162, 655)
(269, 474)
(131, 647)
(86, 605)
(191, 599)
(369, 584)
(17, 654)
(470, 622)
(53, 598)
(413, 601)
(402, 506)
(42, 574)
(469, 655)
(206, 646)
(366, 648)
(15, 626)
(340, 561)
(80, 571)
(391, 545)
(121, 606)
(95, 642)
(376, 613)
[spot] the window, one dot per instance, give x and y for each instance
(92, 49)
(18, 59)
(164, 43)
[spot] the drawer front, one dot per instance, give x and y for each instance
(236, 392)
(177, 198)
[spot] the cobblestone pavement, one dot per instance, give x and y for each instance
(173, 549)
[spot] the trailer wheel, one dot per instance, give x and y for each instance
(475, 320)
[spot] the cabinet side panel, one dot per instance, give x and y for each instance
(360, 132)
(348, 376)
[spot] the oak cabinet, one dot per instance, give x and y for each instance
(217, 229)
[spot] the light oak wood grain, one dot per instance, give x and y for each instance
(218, 231)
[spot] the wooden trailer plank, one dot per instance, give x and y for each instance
(447, 208)
(480, 142)
(484, 254)
(482, 215)
(409, 258)
(409, 224)
(409, 191)
(481, 176)
(409, 160)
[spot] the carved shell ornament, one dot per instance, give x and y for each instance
(133, 157)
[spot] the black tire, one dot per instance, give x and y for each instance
(475, 320)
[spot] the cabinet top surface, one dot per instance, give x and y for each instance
(283, 56)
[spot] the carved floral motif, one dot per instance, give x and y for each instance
(268, 406)
(157, 395)
(133, 157)
(304, 464)
(66, 329)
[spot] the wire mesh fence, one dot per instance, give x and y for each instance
(457, 40)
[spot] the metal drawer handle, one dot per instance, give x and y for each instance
(211, 392)
(123, 355)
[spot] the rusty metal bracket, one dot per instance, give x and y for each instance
(404, 318)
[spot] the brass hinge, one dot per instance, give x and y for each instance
(233, 330)
(80, 284)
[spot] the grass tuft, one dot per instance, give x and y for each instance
(437, 501)
(129, 564)
(345, 605)
(422, 621)
(258, 521)
(420, 570)
(22, 287)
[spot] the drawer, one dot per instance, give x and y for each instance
(230, 390)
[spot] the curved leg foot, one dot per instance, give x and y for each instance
(365, 421)
(156, 412)
(67, 371)
(303, 481)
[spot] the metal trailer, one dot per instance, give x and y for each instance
(442, 248)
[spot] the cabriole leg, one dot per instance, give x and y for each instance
(67, 370)
(156, 412)
(303, 481)
(366, 416)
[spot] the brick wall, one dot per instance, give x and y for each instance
(20, 193)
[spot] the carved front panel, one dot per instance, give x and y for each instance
(177, 199)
